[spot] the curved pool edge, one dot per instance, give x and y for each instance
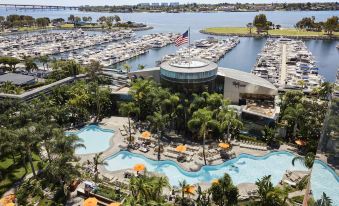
(90, 126)
(216, 166)
(110, 141)
(329, 168)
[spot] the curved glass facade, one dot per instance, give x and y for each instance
(194, 77)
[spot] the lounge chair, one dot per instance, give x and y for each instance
(290, 183)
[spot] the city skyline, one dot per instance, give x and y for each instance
(134, 2)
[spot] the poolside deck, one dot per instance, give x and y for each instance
(118, 143)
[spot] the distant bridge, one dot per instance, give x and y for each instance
(37, 7)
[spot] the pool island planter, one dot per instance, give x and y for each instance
(255, 35)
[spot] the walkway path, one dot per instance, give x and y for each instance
(283, 65)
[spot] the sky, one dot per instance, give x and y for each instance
(132, 2)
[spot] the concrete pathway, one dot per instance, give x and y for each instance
(283, 65)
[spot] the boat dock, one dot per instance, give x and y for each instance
(288, 64)
(115, 52)
(53, 43)
(210, 49)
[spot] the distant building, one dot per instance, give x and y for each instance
(227, 8)
(144, 4)
(164, 4)
(155, 4)
(174, 4)
(17, 79)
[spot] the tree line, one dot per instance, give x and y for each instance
(261, 24)
(12, 21)
(310, 24)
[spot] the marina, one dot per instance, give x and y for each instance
(52, 43)
(115, 52)
(210, 49)
(288, 65)
(159, 117)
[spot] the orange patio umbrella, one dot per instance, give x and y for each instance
(180, 148)
(190, 189)
(7, 200)
(300, 142)
(92, 201)
(139, 167)
(215, 181)
(114, 204)
(146, 135)
(224, 145)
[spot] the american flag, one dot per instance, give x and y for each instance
(182, 39)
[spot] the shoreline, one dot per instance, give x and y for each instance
(84, 29)
(334, 37)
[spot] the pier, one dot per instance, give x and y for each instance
(288, 65)
(283, 65)
(37, 7)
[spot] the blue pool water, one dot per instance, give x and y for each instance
(324, 179)
(94, 138)
(243, 169)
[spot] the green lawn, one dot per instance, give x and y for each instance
(33, 28)
(67, 26)
(277, 32)
(70, 26)
(12, 173)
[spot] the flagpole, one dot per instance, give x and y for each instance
(189, 46)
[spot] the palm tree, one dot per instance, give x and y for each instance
(158, 123)
(159, 184)
(224, 192)
(30, 64)
(128, 109)
(126, 67)
(170, 105)
(265, 187)
(324, 201)
(97, 161)
(294, 114)
(301, 83)
(268, 134)
(203, 198)
(326, 89)
(101, 97)
(141, 67)
(250, 26)
(201, 119)
(29, 142)
(185, 190)
(307, 161)
(94, 69)
(44, 60)
(228, 120)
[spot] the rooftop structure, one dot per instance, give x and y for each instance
(17, 79)
(188, 72)
(255, 94)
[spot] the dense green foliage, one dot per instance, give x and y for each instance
(34, 131)
(309, 24)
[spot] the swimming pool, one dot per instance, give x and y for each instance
(324, 179)
(243, 169)
(94, 138)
